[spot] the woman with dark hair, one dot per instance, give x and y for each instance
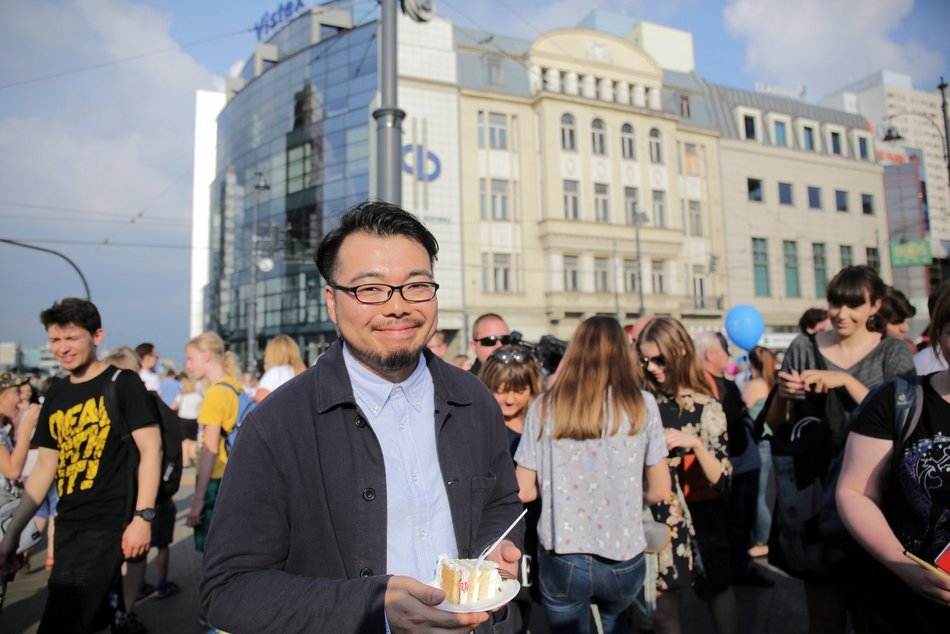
(593, 446)
(906, 506)
(828, 375)
(892, 319)
(762, 368)
(696, 510)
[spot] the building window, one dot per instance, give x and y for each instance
(691, 162)
(631, 205)
(568, 133)
(501, 272)
(482, 199)
(631, 276)
(836, 143)
(785, 194)
(571, 202)
(699, 286)
(814, 198)
(754, 186)
(494, 71)
(601, 275)
(659, 208)
(760, 266)
(695, 218)
(598, 138)
(685, 110)
(481, 129)
(628, 142)
(790, 254)
(299, 168)
(659, 281)
(499, 199)
(841, 200)
(874, 258)
(863, 148)
(847, 255)
(497, 131)
(867, 204)
(748, 125)
(571, 273)
(808, 138)
(821, 268)
(601, 202)
(781, 137)
(656, 147)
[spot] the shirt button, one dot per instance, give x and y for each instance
(366, 572)
(422, 532)
(360, 421)
(369, 494)
(415, 477)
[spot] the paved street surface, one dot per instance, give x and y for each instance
(779, 610)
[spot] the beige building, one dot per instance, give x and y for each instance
(803, 196)
(567, 144)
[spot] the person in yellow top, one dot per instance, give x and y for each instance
(206, 359)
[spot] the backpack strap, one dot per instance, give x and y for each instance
(111, 401)
(908, 405)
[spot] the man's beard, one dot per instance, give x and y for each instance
(385, 363)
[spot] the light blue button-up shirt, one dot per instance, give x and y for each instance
(402, 415)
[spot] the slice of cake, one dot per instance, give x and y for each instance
(463, 583)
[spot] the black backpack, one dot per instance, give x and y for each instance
(170, 427)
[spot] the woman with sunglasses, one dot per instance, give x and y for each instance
(694, 427)
(593, 446)
(513, 375)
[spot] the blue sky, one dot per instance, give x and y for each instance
(97, 107)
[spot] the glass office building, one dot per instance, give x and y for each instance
(294, 151)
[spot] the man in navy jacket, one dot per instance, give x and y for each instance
(345, 481)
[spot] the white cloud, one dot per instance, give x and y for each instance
(825, 45)
(117, 140)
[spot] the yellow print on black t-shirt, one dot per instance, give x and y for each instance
(81, 432)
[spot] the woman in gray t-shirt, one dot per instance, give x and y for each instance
(587, 444)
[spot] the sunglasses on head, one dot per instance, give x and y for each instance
(659, 361)
(492, 340)
(508, 356)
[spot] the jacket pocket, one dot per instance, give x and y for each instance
(481, 490)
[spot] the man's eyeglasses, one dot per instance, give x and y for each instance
(659, 361)
(381, 293)
(492, 340)
(508, 356)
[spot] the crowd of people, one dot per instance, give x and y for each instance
(649, 465)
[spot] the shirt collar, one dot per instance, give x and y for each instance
(375, 391)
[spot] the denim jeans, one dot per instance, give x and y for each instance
(570, 583)
(763, 513)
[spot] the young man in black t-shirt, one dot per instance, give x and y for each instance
(106, 504)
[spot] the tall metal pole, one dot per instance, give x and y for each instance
(942, 86)
(388, 116)
(82, 277)
(259, 186)
(637, 220)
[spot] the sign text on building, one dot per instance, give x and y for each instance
(270, 21)
(910, 253)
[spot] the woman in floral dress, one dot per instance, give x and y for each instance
(695, 432)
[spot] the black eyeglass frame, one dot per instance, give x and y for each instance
(491, 340)
(659, 361)
(392, 289)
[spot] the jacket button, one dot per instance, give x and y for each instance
(369, 494)
(366, 572)
(360, 421)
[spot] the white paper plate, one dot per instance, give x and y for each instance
(509, 589)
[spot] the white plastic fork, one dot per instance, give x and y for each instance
(481, 557)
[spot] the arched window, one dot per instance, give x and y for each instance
(598, 141)
(568, 133)
(628, 142)
(656, 146)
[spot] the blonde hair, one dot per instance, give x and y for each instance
(124, 357)
(213, 343)
(188, 385)
(282, 350)
(598, 381)
(497, 375)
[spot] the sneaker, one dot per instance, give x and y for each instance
(168, 589)
(129, 624)
(144, 591)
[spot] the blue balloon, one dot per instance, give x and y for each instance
(744, 325)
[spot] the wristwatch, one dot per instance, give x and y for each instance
(146, 514)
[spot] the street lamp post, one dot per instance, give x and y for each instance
(892, 134)
(259, 186)
(82, 277)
